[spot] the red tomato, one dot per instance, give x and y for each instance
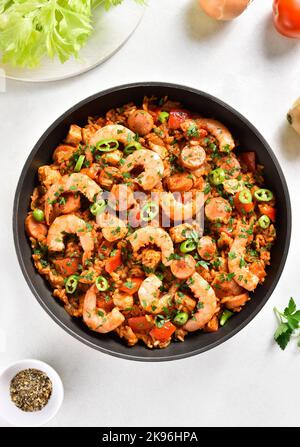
(268, 210)
(176, 118)
(113, 262)
(131, 286)
(163, 333)
(140, 324)
(249, 159)
(286, 14)
(104, 302)
(243, 207)
(67, 266)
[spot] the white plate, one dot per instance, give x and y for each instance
(12, 413)
(111, 30)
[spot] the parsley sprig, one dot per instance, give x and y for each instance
(289, 321)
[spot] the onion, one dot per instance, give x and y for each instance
(293, 116)
(224, 9)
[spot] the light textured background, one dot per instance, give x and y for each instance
(246, 381)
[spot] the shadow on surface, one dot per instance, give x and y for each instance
(199, 25)
(289, 142)
(276, 45)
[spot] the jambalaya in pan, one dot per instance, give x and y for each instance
(150, 224)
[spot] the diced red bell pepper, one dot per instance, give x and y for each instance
(268, 210)
(163, 333)
(113, 262)
(140, 324)
(177, 117)
(242, 207)
(131, 286)
(67, 266)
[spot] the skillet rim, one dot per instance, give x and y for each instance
(231, 111)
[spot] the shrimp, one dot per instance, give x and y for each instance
(159, 149)
(151, 163)
(235, 302)
(178, 210)
(207, 303)
(149, 295)
(70, 224)
(112, 132)
(121, 197)
(96, 318)
(152, 235)
(73, 183)
(236, 263)
(219, 131)
(123, 300)
(113, 228)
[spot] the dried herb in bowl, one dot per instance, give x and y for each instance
(30, 390)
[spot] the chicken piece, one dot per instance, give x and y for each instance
(74, 136)
(48, 176)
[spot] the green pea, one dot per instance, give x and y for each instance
(38, 215)
(181, 318)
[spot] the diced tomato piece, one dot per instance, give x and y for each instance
(268, 210)
(242, 207)
(67, 266)
(113, 262)
(163, 333)
(104, 302)
(249, 159)
(140, 324)
(177, 117)
(131, 286)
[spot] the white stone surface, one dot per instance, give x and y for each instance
(246, 381)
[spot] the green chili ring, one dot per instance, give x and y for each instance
(105, 145)
(130, 148)
(150, 213)
(187, 246)
(101, 283)
(217, 176)
(71, 284)
(245, 196)
(79, 163)
(264, 221)
(263, 195)
(98, 207)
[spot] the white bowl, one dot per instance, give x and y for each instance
(19, 418)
